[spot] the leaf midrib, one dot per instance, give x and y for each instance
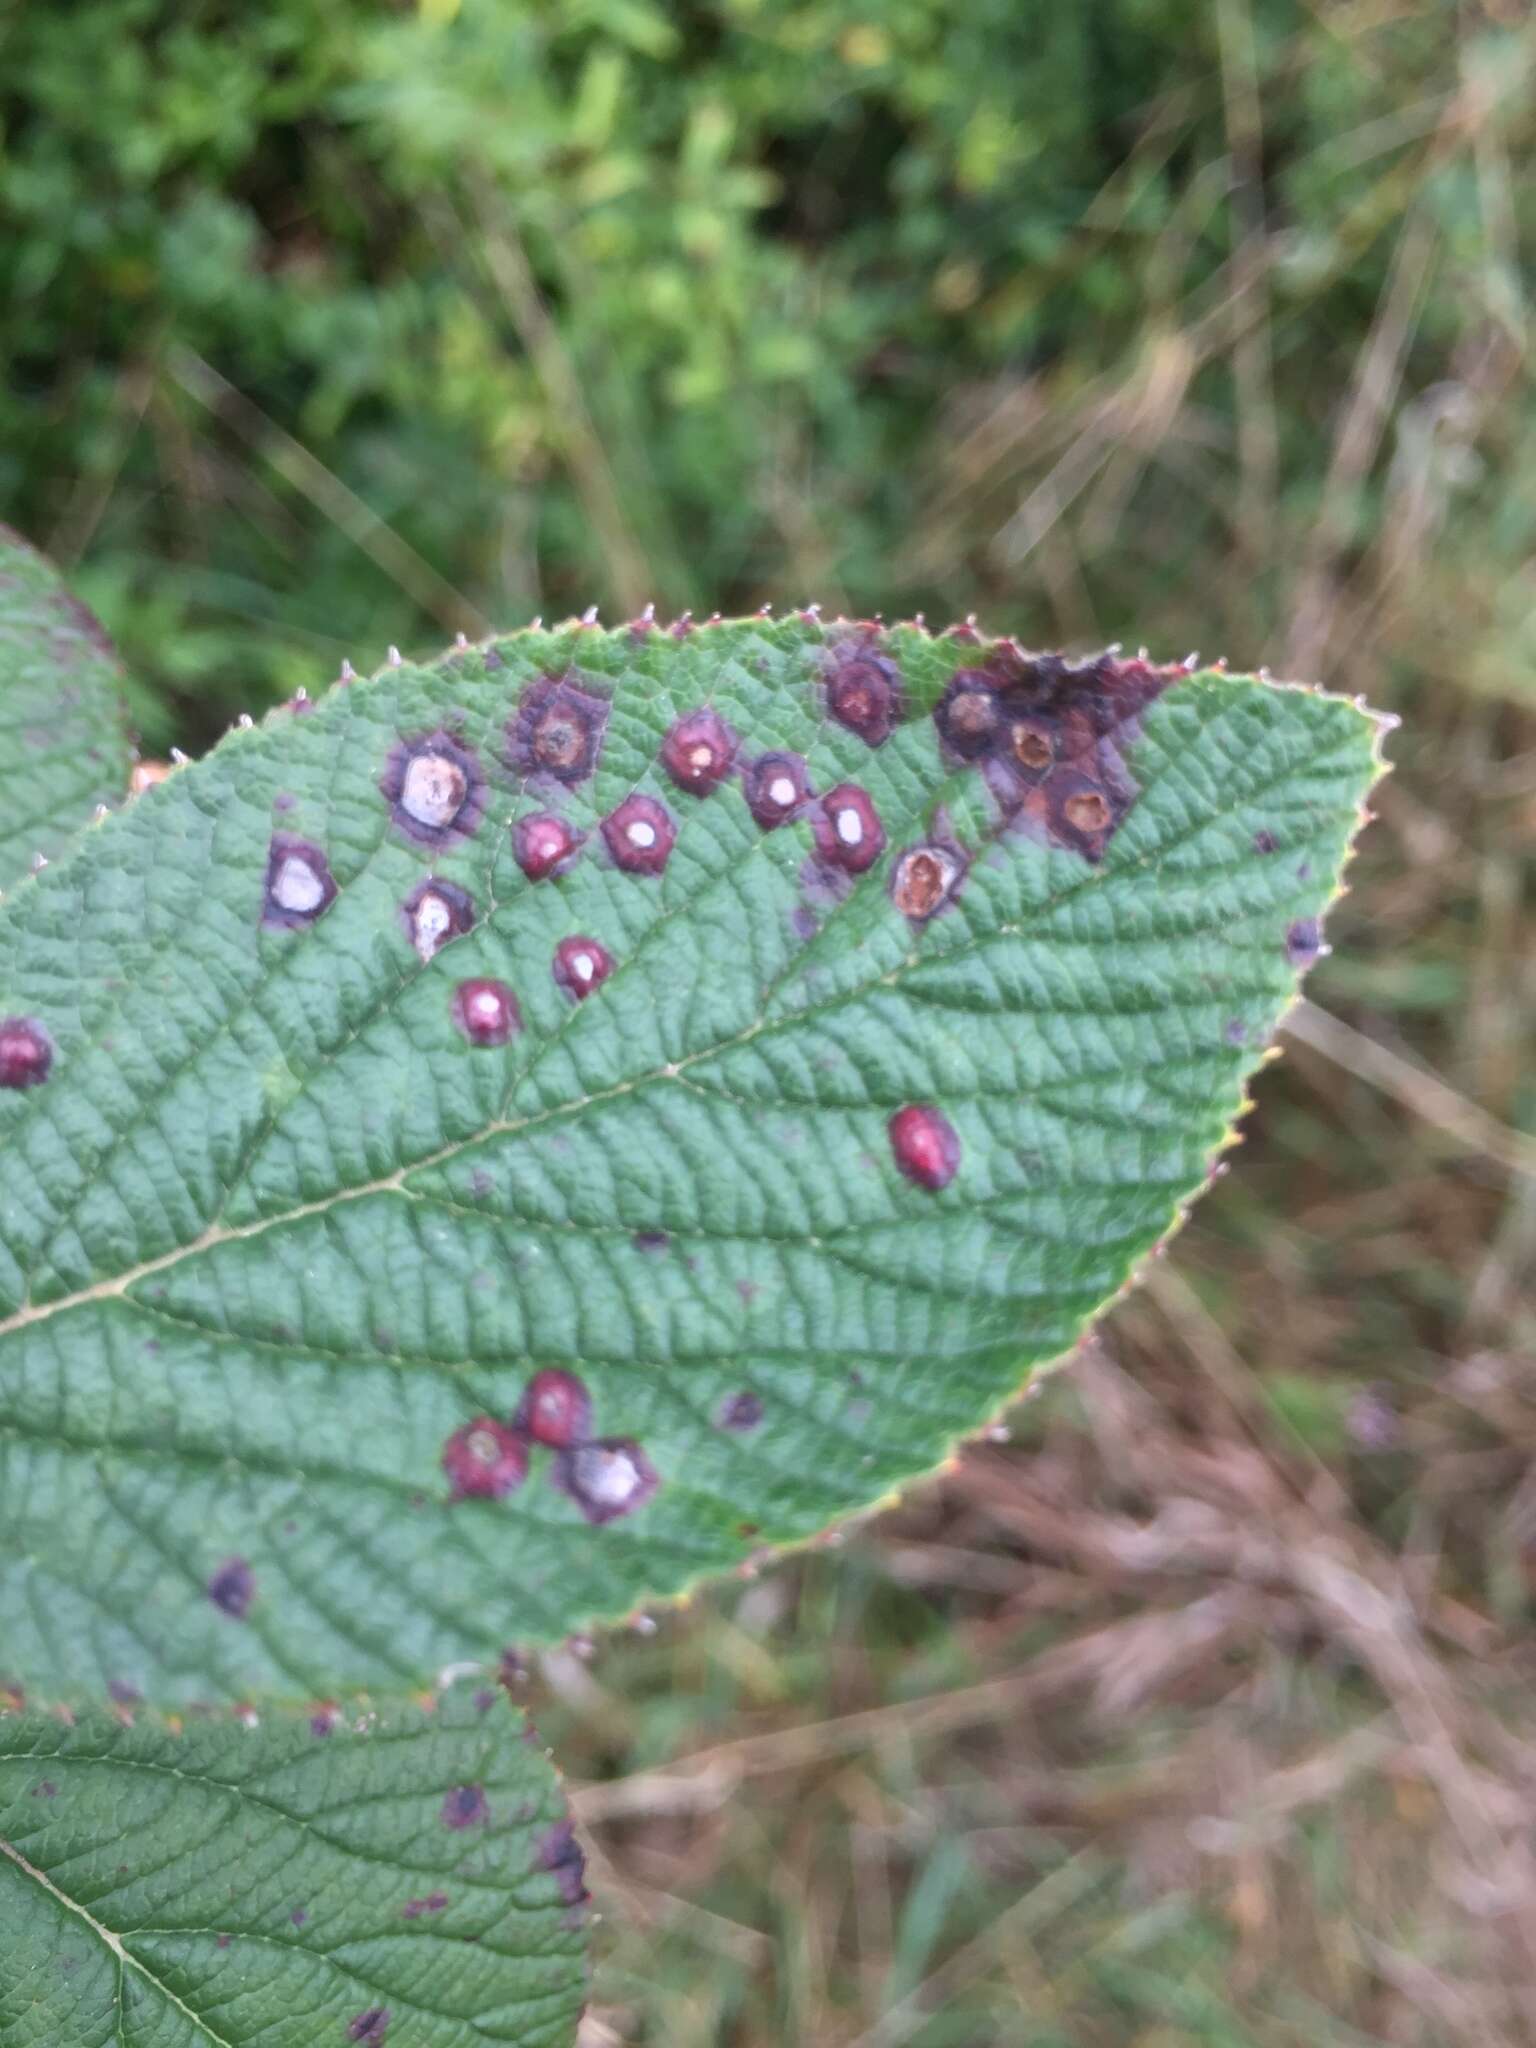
(110, 1941)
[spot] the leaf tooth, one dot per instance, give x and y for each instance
(589, 616)
(348, 672)
(461, 639)
(395, 658)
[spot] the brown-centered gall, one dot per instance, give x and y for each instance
(558, 731)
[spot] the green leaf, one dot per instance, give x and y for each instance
(275, 1233)
(399, 1876)
(63, 743)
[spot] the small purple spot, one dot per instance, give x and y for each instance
(559, 1853)
(486, 1012)
(370, 2026)
(1303, 942)
(435, 789)
(122, 1694)
(543, 845)
(299, 886)
(222, 1940)
(1236, 1031)
(741, 1412)
(465, 1807)
(651, 1241)
(298, 1916)
(748, 1290)
(46, 1790)
(640, 835)
(1265, 842)
(326, 1719)
(232, 1588)
(699, 752)
(607, 1479)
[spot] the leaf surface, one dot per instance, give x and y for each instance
(401, 1877)
(63, 742)
(305, 1202)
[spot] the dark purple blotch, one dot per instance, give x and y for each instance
(371, 2026)
(1303, 942)
(741, 1411)
(232, 1588)
(465, 1807)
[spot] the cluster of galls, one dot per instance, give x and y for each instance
(1043, 730)
(607, 1477)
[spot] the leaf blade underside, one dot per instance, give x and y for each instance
(276, 1231)
(404, 1876)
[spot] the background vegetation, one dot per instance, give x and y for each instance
(1199, 1711)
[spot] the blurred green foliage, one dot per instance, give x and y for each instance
(335, 324)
